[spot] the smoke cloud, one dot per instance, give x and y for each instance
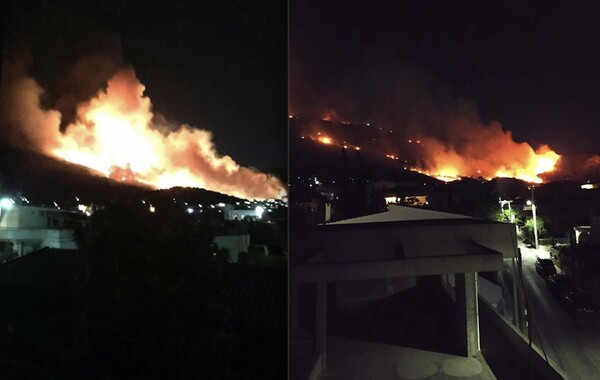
(416, 118)
(115, 132)
(66, 92)
(577, 167)
(471, 148)
(25, 123)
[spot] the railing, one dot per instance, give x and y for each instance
(547, 370)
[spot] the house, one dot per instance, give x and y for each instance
(231, 213)
(435, 256)
(25, 228)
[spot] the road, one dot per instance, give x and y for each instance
(573, 344)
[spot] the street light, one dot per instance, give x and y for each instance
(535, 233)
(5, 205)
(259, 211)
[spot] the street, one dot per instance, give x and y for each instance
(573, 344)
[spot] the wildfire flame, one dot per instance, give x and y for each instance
(528, 165)
(543, 161)
(117, 135)
(473, 151)
(326, 140)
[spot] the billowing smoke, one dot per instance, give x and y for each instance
(115, 132)
(578, 167)
(25, 123)
(66, 92)
(415, 118)
(471, 148)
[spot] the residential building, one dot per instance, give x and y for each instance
(25, 228)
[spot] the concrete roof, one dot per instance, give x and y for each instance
(407, 241)
(402, 214)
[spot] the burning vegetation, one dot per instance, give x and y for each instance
(402, 113)
(495, 155)
(469, 149)
(117, 134)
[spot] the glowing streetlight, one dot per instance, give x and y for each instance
(259, 211)
(6, 203)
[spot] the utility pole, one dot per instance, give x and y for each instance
(535, 233)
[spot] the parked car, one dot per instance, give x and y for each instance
(559, 284)
(544, 267)
(580, 304)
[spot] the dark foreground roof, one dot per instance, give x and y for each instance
(259, 295)
(40, 269)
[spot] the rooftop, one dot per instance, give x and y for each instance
(402, 214)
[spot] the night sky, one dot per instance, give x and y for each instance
(220, 66)
(532, 66)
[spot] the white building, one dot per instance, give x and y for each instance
(235, 244)
(232, 214)
(24, 229)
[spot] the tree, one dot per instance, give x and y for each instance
(528, 229)
(505, 215)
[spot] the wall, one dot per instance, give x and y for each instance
(351, 295)
(546, 370)
(234, 244)
(240, 214)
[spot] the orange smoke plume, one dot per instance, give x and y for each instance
(117, 135)
(488, 152)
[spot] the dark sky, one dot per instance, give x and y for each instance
(533, 66)
(217, 65)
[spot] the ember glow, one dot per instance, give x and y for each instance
(325, 140)
(116, 134)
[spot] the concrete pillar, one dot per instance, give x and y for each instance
(321, 322)
(472, 311)
(516, 308)
(461, 310)
(467, 306)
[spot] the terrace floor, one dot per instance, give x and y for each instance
(355, 359)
